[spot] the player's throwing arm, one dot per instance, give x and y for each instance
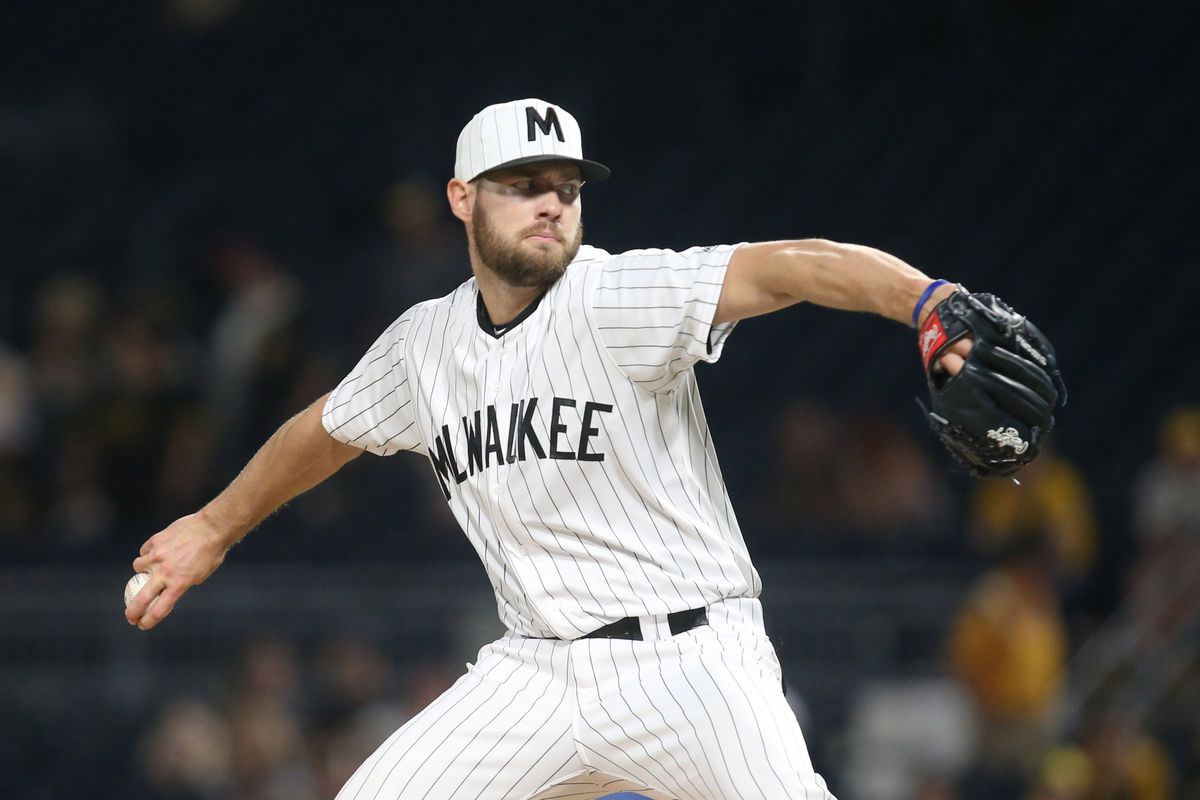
(297, 457)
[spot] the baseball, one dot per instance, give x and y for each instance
(134, 585)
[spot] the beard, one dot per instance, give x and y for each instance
(536, 269)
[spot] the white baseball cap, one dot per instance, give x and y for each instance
(521, 132)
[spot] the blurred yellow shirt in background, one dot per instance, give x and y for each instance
(1052, 497)
(1009, 646)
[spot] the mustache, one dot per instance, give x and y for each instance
(542, 229)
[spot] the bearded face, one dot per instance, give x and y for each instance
(534, 257)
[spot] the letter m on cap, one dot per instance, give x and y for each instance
(544, 124)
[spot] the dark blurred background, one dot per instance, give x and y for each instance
(210, 208)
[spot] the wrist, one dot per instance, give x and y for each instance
(224, 530)
(934, 293)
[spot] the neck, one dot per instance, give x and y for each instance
(502, 300)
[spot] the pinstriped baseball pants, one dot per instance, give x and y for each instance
(698, 716)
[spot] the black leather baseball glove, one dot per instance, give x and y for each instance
(993, 415)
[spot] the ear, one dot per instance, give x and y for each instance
(462, 199)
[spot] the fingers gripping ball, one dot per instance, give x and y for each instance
(994, 414)
(134, 585)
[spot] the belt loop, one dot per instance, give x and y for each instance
(654, 627)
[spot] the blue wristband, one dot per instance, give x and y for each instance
(930, 289)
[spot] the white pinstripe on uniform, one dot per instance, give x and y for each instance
(574, 452)
(698, 716)
(569, 544)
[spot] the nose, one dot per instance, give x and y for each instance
(549, 206)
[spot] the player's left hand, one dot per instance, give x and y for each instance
(954, 357)
(993, 382)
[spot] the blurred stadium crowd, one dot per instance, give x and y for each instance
(124, 412)
(116, 419)
(206, 235)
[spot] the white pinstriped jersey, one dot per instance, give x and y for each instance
(573, 449)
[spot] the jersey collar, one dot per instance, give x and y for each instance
(496, 331)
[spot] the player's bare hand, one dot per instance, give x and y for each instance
(955, 356)
(180, 556)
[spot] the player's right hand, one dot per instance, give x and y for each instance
(180, 556)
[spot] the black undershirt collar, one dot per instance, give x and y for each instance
(494, 330)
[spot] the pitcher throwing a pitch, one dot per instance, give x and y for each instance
(554, 397)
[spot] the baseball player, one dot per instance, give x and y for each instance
(554, 397)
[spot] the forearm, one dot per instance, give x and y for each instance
(854, 278)
(843, 276)
(297, 457)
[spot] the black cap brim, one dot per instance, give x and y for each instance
(588, 170)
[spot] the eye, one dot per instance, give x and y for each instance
(568, 191)
(523, 186)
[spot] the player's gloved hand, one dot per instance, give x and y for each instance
(178, 557)
(994, 413)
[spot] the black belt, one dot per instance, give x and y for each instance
(630, 628)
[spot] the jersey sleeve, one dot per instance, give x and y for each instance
(372, 407)
(654, 312)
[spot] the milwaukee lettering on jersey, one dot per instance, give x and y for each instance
(484, 433)
(572, 449)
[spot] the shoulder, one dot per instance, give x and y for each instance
(463, 297)
(666, 259)
(592, 261)
(587, 260)
(420, 316)
(591, 258)
(580, 275)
